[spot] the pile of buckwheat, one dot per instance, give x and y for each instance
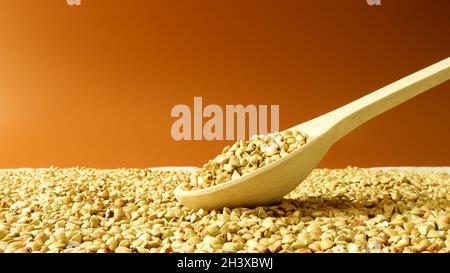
(244, 157)
(134, 210)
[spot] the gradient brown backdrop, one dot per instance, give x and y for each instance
(94, 85)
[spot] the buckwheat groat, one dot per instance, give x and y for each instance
(133, 210)
(244, 157)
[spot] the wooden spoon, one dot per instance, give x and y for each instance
(272, 182)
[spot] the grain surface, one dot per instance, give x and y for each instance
(134, 210)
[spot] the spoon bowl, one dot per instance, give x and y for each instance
(278, 179)
(272, 182)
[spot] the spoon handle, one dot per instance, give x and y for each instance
(346, 118)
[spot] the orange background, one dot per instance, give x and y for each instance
(94, 85)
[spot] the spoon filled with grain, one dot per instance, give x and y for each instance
(265, 168)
